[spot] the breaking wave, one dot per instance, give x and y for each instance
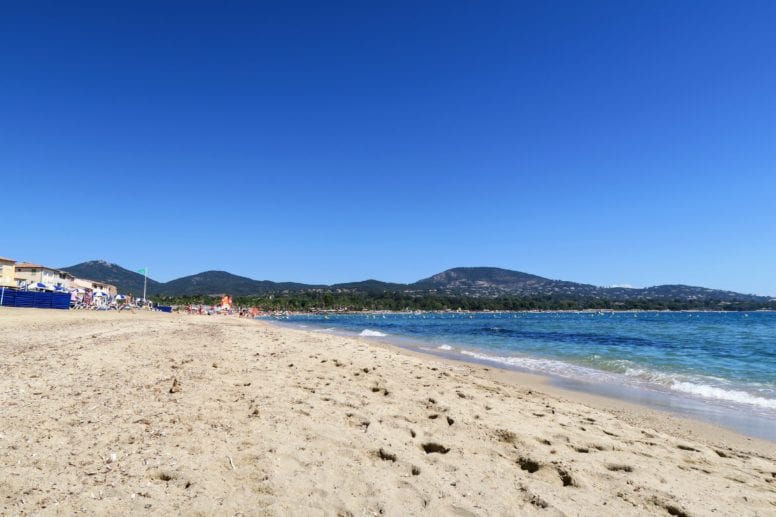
(371, 333)
(729, 395)
(637, 376)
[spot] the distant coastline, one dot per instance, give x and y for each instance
(461, 287)
(360, 303)
(323, 312)
(473, 289)
(477, 289)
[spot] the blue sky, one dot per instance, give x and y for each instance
(601, 142)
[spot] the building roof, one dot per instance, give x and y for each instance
(38, 266)
(4, 259)
(79, 279)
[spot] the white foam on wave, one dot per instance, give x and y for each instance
(644, 377)
(643, 374)
(371, 333)
(701, 387)
(329, 329)
(445, 347)
(542, 365)
(713, 392)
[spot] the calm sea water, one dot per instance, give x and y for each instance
(717, 366)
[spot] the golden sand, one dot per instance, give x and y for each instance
(116, 413)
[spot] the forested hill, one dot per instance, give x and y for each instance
(464, 282)
(125, 280)
(494, 282)
(217, 282)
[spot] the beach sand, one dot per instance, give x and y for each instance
(116, 413)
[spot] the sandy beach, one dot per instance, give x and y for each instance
(116, 413)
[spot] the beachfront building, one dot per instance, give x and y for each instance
(7, 272)
(93, 285)
(29, 274)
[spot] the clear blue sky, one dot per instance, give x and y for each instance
(603, 142)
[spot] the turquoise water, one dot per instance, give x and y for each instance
(719, 366)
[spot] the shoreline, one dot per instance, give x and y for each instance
(121, 413)
(719, 417)
(637, 413)
(324, 312)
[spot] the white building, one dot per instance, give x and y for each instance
(34, 273)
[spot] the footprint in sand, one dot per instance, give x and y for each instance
(386, 456)
(433, 447)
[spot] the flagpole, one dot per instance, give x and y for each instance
(145, 281)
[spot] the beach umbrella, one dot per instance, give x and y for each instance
(38, 286)
(59, 288)
(79, 291)
(100, 293)
(120, 297)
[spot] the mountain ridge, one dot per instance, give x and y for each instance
(477, 282)
(103, 271)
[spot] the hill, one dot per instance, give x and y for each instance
(467, 282)
(126, 281)
(492, 282)
(222, 282)
(369, 286)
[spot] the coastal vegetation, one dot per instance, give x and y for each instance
(397, 301)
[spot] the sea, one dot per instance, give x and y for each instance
(719, 367)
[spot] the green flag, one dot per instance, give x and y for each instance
(142, 271)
